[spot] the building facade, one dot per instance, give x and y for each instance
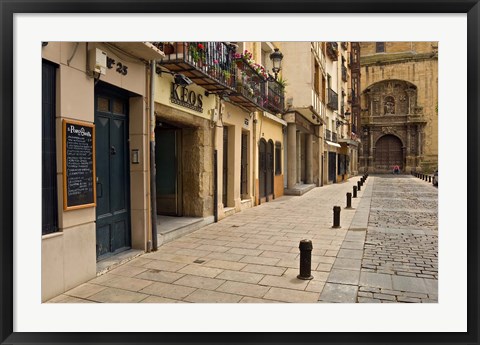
(94, 116)
(399, 97)
(302, 70)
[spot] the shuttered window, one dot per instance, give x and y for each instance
(49, 162)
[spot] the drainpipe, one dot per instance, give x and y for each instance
(153, 192)
(218, 107)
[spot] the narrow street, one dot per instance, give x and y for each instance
(385, 251)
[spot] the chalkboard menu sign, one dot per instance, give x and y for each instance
(78, 165)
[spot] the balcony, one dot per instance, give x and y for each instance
(332, 99)
(250, 92)
(275, 97)
(344, 73)
(351, 98)
(208, 64)
(334, 137)
(344, 45)
(328, 135)
(143, 50)
(332, 50)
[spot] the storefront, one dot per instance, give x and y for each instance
(97, 203)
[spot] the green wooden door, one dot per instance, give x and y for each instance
(167, 174)
(113, 187)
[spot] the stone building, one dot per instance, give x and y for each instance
(399, 85)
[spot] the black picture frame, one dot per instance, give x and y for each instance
(10, 7)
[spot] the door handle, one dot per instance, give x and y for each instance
(113, 150)
(99, 190)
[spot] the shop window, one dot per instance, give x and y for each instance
(278, 158)
(49, 157)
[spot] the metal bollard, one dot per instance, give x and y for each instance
(349, 200)
(354, 191)
(358, 186)
(336, 217)
(305, 247)
(429, 178)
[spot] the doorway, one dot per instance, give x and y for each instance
(113, 175)
(388, 153)
(167, 164)
(332, 166)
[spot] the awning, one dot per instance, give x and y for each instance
(332, 144)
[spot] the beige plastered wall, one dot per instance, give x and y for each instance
(238, 121)
(69, 255)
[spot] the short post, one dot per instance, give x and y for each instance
(305, 247)
(358, 186)
(336, 217)
(349, 200)
(354, 191)
(429, 178)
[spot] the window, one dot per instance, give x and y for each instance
(324, 90)
(380, 47)
(316, 78)
(49, 156)
(278, 158)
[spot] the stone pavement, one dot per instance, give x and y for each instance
(385, 251)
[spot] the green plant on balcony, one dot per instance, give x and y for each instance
(282, 82)
(197, 52)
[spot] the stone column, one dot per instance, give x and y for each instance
(292, 155)
(308, 159)
(299, 157)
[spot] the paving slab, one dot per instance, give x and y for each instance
(206, 296)
(339, 293)
(244, 289)
(339, 276)
(113, 295)
(293, 296)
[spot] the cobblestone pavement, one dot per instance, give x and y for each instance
(399, 260)
(385, 251)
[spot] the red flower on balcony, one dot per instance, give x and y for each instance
(200, 46)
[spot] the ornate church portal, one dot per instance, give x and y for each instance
(393, 127)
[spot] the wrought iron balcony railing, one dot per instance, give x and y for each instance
(250, 87)
(275, 97)
(328, 135)
(208, 64)
(332, 102)
(344, 73)
(334, 137)
(332, 50)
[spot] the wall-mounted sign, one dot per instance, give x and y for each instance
(119, 67)
(78, 164)
(181, 95)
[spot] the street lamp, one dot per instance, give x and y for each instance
(276, 58)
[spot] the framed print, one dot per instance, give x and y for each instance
(205, 170)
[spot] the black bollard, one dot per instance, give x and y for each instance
(336, 217)
(358, 186)
(349, 200)
(305, 247)
(354, 191)
(429, 178)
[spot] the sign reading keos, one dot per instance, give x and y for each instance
(184, 97)
(78, 164)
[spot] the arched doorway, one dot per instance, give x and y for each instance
(388, 153)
